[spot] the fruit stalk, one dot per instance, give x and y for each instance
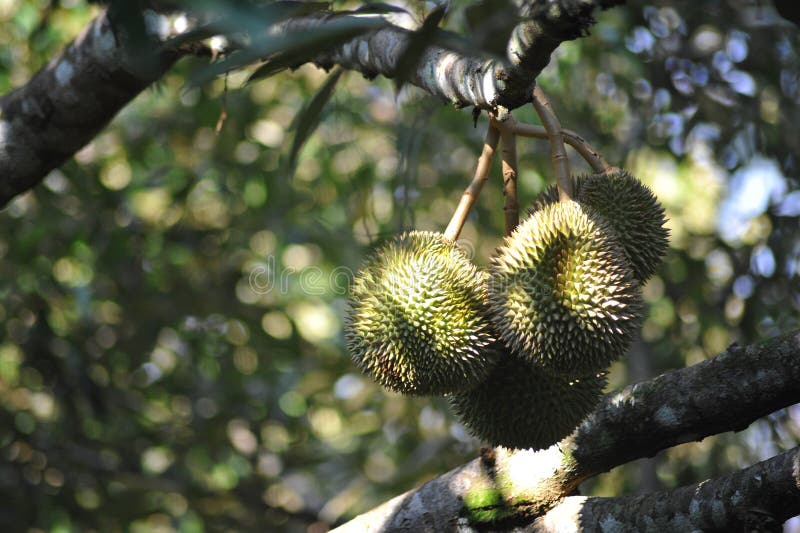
(557, 151)
(509, 153)
(586, 151)
(472, 192)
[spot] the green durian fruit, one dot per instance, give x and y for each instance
(562, 293)
(417, 322)
(634, 213)
(632, 210)
(550, 194)
(524, 406)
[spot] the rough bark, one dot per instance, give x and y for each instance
(452, 76)
(544, 25)
(480, 81)
(758, 498)
(725, 393)
(69, 101)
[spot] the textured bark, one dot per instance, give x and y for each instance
(69, 101)
(725, 393)
(758, 498)
(480, 81)
(544, 25)
(456, 78)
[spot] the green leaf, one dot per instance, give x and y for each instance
(309, 118)
(417, 43)
(490, 23)
(379, 8)
(247, 19)
(277, 64)
(300, 47)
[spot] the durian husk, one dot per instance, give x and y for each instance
(417, 317)
(524, 406)
(562, 293)
(631, 209)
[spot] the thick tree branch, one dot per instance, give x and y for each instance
(544, 25)
(476, 80)
(725, 393)
(69, 101)
(758, 498)
(460, 79)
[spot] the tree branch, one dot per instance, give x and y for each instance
(758, 498)
(558, 154)
(69, 101)
(589, 154)
(544, 25)
(469, 80)
(508, 143)
(472, 192)
(725, 393)
(459, 79)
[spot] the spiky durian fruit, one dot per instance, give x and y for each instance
(562, 293)
(632, 210)
(550, 194)
(524, 406)
(417, 321)
(634, 213)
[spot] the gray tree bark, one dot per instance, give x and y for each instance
(68, 102)
(758, 498)
(506, 488)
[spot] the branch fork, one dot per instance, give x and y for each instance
(506, 129)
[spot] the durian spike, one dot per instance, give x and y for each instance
(509, 152)
(557, 151)
(586, 150)
(472, 192)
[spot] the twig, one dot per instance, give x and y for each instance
(586, 151)
(557, 151)
(509, 153)
(472, 192)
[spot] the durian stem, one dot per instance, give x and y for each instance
(509, 154)
(557, 151)
(586, 150)
(472, 192)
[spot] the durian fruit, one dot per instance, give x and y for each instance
(524, 406)
(562, 293)
(632, 210)
(634, 213)
(550, 194)
(417, 322)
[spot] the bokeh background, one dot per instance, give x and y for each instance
(171, 353)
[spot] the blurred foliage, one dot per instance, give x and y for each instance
(171, 356)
